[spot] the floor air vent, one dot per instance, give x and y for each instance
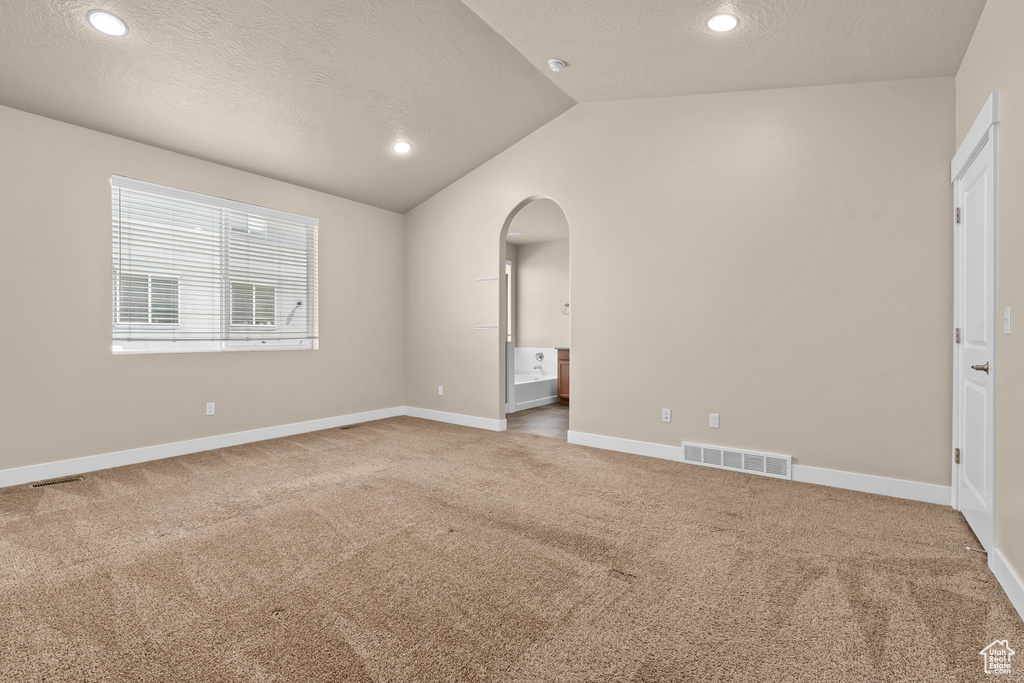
(54, 482)
(766, 464)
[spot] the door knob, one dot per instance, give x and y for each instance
(983, 368)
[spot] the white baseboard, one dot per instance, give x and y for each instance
(898, 488)
(931, 493)
(1008, 579)
(536, 403)
(91, 463)
(457, 419)
(885, 486)
(63, 468)
(613, 443)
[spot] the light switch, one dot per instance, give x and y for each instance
(1006, 320)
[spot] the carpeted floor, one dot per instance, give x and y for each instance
(405, 550)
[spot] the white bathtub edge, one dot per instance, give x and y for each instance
(536, 403)
(543, 378)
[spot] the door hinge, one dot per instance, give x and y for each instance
(956, 455)
(958, 335)
(958, 215)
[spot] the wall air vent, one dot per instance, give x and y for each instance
(753, 462)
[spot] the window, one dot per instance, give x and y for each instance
(252, 304)
(146, 299)
(193, 272)
(254, 225)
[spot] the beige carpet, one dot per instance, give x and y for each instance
(405, 550)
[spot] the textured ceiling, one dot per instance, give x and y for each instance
(307, 91)
(542, 220)
(313, 92)
(658, 48)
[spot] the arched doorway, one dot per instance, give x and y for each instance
(535, 318)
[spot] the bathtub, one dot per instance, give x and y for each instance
(535, 389)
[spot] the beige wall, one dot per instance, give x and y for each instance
(993, 62)
(542, 290)
(779, 257)
(65, 395)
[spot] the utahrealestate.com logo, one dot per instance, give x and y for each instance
(997, 657)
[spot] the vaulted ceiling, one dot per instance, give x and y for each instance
(658, 48)
(314, 92)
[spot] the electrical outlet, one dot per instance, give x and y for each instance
(714, 420)
(666, 414)
(210, 408)
(440, 390)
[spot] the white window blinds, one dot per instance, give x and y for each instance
(193, 272)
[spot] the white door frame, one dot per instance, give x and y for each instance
(984, 128)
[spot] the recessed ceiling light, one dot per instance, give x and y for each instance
(105, 22)
(723, 22)
(556, 65)
(515, 234)
(401, 147)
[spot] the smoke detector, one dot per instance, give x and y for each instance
(556, 65)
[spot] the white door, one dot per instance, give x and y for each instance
(974, 311)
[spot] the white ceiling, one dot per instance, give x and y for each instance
(659, 48)
(313, 92)
(542, 220)
(308, 91)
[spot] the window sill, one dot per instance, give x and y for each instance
(117, 351)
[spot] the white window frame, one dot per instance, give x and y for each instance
(235, 259)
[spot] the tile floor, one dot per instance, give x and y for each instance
(550, 420)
